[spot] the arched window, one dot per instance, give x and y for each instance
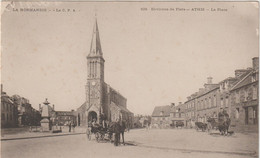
(237, 113)
(95, 68)
(90, 69)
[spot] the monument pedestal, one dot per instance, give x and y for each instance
(45, 124)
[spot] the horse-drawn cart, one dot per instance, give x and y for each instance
(101, 133)
(219, 124)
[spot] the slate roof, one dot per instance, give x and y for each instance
(64, 113)
(182, 108)
(245, 80)
(82, 107)
(95, 48)
(120, 107)
(6, 98)
(165, 109)
(240, 78)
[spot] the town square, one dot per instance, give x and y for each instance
(90, 79)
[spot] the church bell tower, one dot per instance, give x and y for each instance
(95, 77)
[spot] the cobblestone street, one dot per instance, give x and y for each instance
(140, 143)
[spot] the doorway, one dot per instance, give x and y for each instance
(92, 115)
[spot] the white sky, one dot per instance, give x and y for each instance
(153, 58)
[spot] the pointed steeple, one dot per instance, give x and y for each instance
(95, 48)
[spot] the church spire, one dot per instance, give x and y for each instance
(95, 48)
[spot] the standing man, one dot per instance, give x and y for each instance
(122, 130)
(70, 126)
(225, 113)
(221, 115)
(117, 132)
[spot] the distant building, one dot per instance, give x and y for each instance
(62, 118)
(177, 114)
(141, 121)
(191, 110)
(102, 101)
(161, 116)
(27, 115)
(8, 111)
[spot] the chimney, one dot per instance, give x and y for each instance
(255, 63)
(201, 90)
(209, 80)
(239, 72)
(40, 106)
(53, 106)
(1, 88)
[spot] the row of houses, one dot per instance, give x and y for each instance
(17, 111)
(238, 95)
(168, 115)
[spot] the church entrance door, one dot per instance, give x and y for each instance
(92, 115)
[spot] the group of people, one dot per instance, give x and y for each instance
(115, 128)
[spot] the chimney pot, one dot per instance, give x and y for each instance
(255, 63)
(209, 80)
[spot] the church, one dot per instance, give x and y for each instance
(102, 101)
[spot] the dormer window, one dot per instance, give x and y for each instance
(253, 78)
(161, 113)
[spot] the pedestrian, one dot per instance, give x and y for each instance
(117, 132)
(88, 132)
(73, 126)
(122, 130)
(69, 126)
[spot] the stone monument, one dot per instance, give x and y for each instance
(45, 115)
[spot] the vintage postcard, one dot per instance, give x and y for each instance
(129, 79)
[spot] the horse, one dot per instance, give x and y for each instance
(110, 130)
(200, 125)
(122, 128)
(224, 125)
(212, 124)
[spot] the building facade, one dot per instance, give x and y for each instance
(102, 101)
(202, 104)
(168, 115)
(177, 114)
(63, 118)
(245, 98)
(9, 113)
(190, 110)
(237, 95)
(161, 117)
(27, 115)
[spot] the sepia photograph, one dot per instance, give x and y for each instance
(122, 79)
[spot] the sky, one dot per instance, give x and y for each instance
(153, 58)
